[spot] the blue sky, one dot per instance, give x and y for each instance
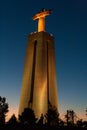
(68, 24)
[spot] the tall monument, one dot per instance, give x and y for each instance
(39, 87)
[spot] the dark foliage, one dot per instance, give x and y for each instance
(49, 121)
(27, 117)
(41, 120)
(52, 116)
(70, 117)
(3, 109)
(12, 121)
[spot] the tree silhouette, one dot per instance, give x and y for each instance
(13, 120)
(79, 123)
(70, 117)
(28, 117)
(61, 122)
(85, 124)
(3, 109)
(40, 122)
(52, 116)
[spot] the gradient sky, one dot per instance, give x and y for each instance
(68, 24)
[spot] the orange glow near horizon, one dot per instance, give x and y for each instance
(14, 110)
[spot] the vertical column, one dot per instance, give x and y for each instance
(48, 75)
(41, 24)
(33, 76)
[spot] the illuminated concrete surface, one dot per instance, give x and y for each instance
(39, 86)
(39, 79)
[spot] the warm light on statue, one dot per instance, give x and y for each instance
(39, 86)
(41, 19)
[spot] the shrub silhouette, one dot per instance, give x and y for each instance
(3, 109)
(52, 116)
(13, 120)
(27, 117)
